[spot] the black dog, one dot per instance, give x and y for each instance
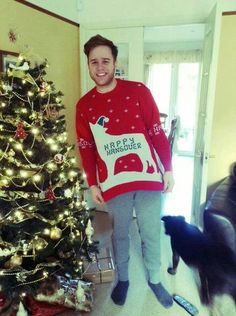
(215, 263)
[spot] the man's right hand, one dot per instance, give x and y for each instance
(96, 194)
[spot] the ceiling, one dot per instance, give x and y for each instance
(132, 12)
(166, 23)
(92, 11)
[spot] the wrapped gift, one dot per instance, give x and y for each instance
(101, 268)
(67, 292)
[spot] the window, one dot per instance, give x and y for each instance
(175, 89)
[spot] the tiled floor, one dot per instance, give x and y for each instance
(140, 300)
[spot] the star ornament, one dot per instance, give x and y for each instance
(12, 36)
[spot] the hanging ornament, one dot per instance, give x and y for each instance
(55, 233)
(50, 194)
(18, 216)
(21, 277)
(39, 243)
(52, 113)
(20, 132)
(15, 261)
(89, 231)
(44, 87)
(59, 158)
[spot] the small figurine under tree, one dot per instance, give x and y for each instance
(45, 226)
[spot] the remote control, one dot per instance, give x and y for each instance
(190, 308)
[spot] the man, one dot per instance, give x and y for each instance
(126, 158)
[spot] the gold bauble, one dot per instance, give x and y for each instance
(55, 233)
(16, 261)
(40, 243)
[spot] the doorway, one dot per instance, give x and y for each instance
(172, 73)
(175, 88)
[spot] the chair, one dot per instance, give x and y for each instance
(173, 135)
(163, 117)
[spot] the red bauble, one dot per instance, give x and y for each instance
(20, 132)
(50, 194)
(2, 299)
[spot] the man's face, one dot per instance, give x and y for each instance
(102, 67)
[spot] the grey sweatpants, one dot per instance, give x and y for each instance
(147, 206)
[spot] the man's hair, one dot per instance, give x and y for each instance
(98, 40)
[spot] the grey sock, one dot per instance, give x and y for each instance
(161, 294)
(119, 292)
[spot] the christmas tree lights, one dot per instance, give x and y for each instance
(45, 227)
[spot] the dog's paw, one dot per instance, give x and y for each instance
(171, 271)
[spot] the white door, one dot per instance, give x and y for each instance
(130, 53)
(206, 102)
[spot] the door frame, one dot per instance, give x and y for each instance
(205, 115)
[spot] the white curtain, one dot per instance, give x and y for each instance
(172, 57)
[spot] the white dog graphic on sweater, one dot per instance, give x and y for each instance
(113, 147)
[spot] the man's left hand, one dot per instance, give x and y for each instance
(168, 181)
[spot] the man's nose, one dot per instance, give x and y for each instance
(100, 65)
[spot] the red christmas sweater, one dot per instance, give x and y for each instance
(121, 142)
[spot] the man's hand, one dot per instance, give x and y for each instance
(168, 181)
(96, 194)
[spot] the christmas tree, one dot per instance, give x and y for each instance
(45, 225)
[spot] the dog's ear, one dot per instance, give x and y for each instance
(181, 218)
(165, 218)
(168, 217)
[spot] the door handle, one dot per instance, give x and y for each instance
(198, 154)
